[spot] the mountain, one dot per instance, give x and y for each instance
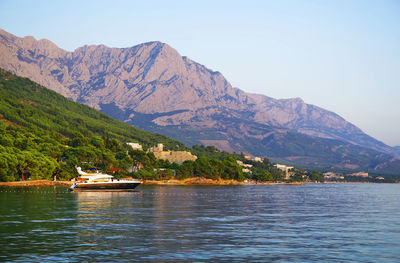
(151, 86)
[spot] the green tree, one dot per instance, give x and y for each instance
(185, 170)
(145, 175)
(97, 141)
(78, 139)
(316, 176)
(263, 176)
(202, 167)
(232, 170)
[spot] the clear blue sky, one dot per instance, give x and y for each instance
(340, 55)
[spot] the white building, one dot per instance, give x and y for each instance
(135, 146)
(284, 168)
(243, 164)
(246, 170)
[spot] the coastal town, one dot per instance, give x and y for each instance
(247, 164)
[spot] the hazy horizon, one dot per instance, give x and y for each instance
(342, 56)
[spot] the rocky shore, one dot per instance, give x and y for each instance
(205, 181)
(193, 181)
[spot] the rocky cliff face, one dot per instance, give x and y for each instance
(153, 87)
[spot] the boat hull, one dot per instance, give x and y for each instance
(106, 186)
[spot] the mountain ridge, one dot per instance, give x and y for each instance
(152, 86)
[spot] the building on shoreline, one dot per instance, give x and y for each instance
(172, 156)
(332, 176)
(360, 174)
(284, 168)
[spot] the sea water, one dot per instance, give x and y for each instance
(310, 223)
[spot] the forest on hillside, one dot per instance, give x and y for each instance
(44, 135)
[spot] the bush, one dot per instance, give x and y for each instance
(145, 175)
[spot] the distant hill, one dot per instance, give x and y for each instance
(151, 86)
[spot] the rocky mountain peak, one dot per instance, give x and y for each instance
(42, 47)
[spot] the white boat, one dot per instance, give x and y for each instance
(100, 181)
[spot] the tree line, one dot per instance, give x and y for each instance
(29, 153)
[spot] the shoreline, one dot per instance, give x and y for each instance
(36, 183)
(186, 182)
(205, 181)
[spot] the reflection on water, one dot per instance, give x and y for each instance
(325, 223)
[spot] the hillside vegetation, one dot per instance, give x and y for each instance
(44, 135)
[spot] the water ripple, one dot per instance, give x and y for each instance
(311, 223)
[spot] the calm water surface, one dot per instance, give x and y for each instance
(311, 223)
